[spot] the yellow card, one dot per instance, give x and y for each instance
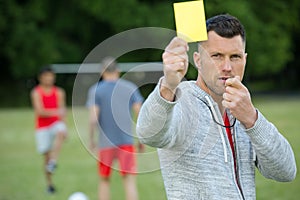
(190, 21)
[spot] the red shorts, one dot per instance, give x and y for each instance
(125, 155)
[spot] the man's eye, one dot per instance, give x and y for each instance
(216, 55)
(236, 57)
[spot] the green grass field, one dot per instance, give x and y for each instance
(21, 174)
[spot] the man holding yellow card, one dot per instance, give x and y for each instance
(209, 134)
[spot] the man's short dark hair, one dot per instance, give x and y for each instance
(226, 26)
(45, 69)
(109, 64)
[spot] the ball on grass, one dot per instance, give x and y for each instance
(78, 196)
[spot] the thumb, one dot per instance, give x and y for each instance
(234, 82)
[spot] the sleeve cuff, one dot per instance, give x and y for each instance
(261, 131)
(162, 100)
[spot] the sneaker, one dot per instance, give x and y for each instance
(51, 166)
(51, 189)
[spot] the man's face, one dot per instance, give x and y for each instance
(47, 78)
(219, 59)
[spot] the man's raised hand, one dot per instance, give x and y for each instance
(175, 60)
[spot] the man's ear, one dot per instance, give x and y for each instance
(196, 57)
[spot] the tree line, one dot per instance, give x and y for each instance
(35, 33)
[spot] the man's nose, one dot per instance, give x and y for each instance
(226, 65)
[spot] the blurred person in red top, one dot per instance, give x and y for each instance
(49, 105)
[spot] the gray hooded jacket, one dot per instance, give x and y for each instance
(194, 152)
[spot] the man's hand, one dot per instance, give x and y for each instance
(175, 60)
(237, 99)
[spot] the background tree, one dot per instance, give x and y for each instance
(34, 33)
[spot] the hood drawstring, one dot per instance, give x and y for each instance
(219, 127)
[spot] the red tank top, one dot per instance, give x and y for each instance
(49, 101)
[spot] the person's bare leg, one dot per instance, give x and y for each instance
(130, 187)
(47, 174)
(58, 141)
(104, 189)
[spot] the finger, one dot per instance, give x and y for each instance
(231, 90)
(231, 105)
(180, 66)
(175, 42)
(234, 82)
(176, 61)
(225, 104)
(231, 81)
(227, 97)
(171, 58)
(177, 51)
